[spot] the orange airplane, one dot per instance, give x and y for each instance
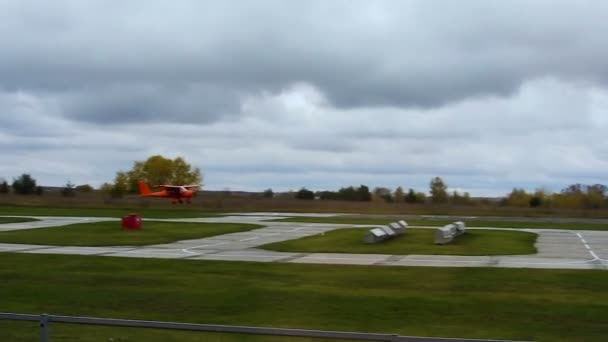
(175, 192)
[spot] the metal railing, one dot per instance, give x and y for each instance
(45, 320)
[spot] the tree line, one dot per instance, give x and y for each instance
(27, 185)
(575, 196)
(158, 170)
(438, 194)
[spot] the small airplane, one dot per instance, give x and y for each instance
(175, 192)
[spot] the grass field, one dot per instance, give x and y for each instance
(496, 224)
(15, 219)
(520, 304)
(414, 241)
(111, 234)
(106, 212)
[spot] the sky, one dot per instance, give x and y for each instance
(322, 94)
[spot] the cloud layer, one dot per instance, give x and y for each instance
(488, 95)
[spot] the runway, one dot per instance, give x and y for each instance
(557, 249)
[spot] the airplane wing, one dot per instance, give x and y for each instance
(192, 186)
(166, 186)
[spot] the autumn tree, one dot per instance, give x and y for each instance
(439, 190)
(158, 170)
(120, 186)
(519, 198)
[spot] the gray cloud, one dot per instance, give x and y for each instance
(144, 59)
(148, 103)
(322, 94)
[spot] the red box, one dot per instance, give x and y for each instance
(131, 222)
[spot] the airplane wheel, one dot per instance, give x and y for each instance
(181, 202)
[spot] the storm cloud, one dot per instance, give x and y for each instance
(487, 94)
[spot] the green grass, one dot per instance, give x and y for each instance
(111, 234)
(15, 219)
(106, 212)
(414, 241)
(495, 224)
(520, 304)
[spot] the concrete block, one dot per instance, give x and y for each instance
(391, 233)
(375, 235)
(460, 227)
(397, 228)
(445, 234)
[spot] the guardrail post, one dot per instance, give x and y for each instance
(44, 328)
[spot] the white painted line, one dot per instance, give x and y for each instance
(595, 257)
(253, 238)
(241, 256)
(187, 250)
(156, 252)
(505, 262)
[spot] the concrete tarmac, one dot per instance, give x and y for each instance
(562, 249)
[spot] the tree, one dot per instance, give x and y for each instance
(398, 195)
(120, 187)
(383, 193)
(363, 194)
(68, 190)
(455, 198)
(328, 195)
(439, 193)
(25, 185)
(519, 198)
(411, 196)
(599, 189)
(305, 194)
(574, 189)
(460, 199)
(106, 187)
(158, 170)
(84, 188)
(4, 189)
(420, 197)
(536, 201)
(268, 193)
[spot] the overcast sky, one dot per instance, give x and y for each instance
(489, 95)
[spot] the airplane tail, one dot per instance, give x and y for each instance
(144, 189)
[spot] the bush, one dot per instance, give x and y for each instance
(305, 194)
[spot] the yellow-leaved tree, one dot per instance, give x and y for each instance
(156, 170)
